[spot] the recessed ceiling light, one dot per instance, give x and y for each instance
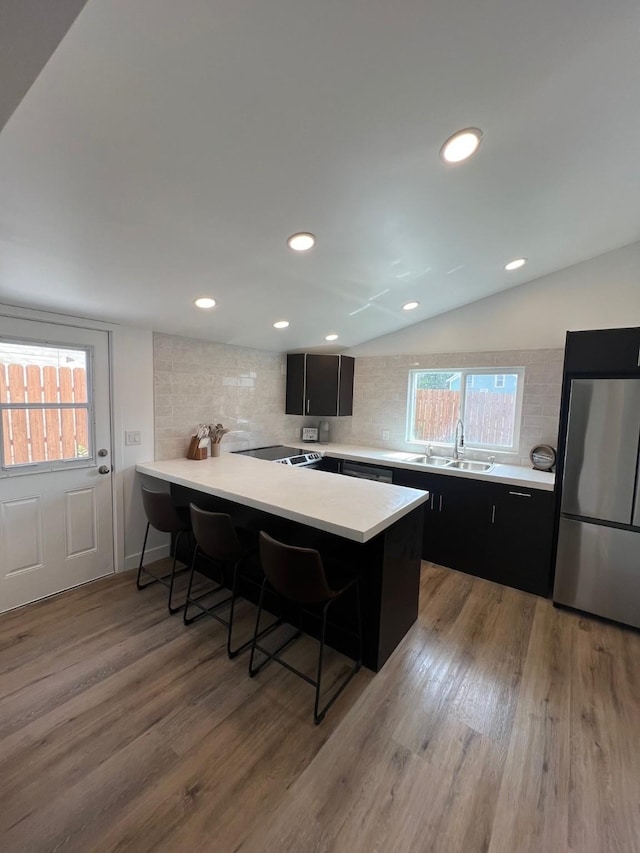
(461, 145)
(205, 302)
(516, 264)
(281, 324)
(331, 337)
(409, 306)
(301, 242)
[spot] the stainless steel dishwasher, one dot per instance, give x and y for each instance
(367, 472)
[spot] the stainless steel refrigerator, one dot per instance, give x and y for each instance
(598, 558)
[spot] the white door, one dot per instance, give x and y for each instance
(56, 521)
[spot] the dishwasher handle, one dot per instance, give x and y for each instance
(367, 472)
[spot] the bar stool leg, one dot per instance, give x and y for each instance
(188, 620)
(231, 653)
(173, 609)
(144, 545)
(253, 671)
(318, 718)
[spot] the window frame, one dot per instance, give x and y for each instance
(9, 469)
(464, 373)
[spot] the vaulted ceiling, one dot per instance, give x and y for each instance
(167, 150)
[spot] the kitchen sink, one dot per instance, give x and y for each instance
(435, 461)
(447, 462)
(470, 465)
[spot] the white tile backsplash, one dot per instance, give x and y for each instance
(380, 397)
(205, 382)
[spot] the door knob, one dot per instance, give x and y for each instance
(104, 469)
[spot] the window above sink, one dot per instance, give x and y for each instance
(488, 402)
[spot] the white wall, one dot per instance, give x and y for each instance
(597, 294)
(133, 412)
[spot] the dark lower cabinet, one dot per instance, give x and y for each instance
(519, 545)
(455, 525)
(490, 530)
(328, 463)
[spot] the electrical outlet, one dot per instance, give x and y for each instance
(132, 437)
(385, 435)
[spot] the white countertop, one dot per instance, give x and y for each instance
(355, 509)
(511, 475)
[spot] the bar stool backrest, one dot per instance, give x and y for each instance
(215, 534)
(161, 512)
(296, 573)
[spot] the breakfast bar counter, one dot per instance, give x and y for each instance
(374, 529)
(355, 509)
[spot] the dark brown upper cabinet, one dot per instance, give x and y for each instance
(603, 351)
(319, 385)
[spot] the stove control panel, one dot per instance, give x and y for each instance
(302, 459)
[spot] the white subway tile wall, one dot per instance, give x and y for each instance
(199, 381)
(380, 397)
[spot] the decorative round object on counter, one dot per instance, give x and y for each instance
(543, 457)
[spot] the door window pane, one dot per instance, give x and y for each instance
(45, 403)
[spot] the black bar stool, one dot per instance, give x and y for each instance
(163, 515)
(298, 575)
(227, 547)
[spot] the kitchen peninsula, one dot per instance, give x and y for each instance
(372, 528)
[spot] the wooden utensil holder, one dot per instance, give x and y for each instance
(195, 452)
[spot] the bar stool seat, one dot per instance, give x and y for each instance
(298, 575)
(230, 550)
(163, 515)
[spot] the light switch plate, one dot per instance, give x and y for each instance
(385, 435)
(132, 437)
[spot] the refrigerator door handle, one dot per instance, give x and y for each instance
(635, 518)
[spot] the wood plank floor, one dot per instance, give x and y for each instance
(500, 725)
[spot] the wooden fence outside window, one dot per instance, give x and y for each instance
(42, 434)
(488, 416)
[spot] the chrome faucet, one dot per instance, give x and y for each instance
(458, 440)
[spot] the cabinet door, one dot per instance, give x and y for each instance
(330, 464)
(319, 385)
(322, 385)
(603, 351)
(519, 548)
(295, 402)
(456, 520)
(431, 525)
(345, 397)
(463, 508)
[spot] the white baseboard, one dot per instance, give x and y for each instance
(150, 556)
